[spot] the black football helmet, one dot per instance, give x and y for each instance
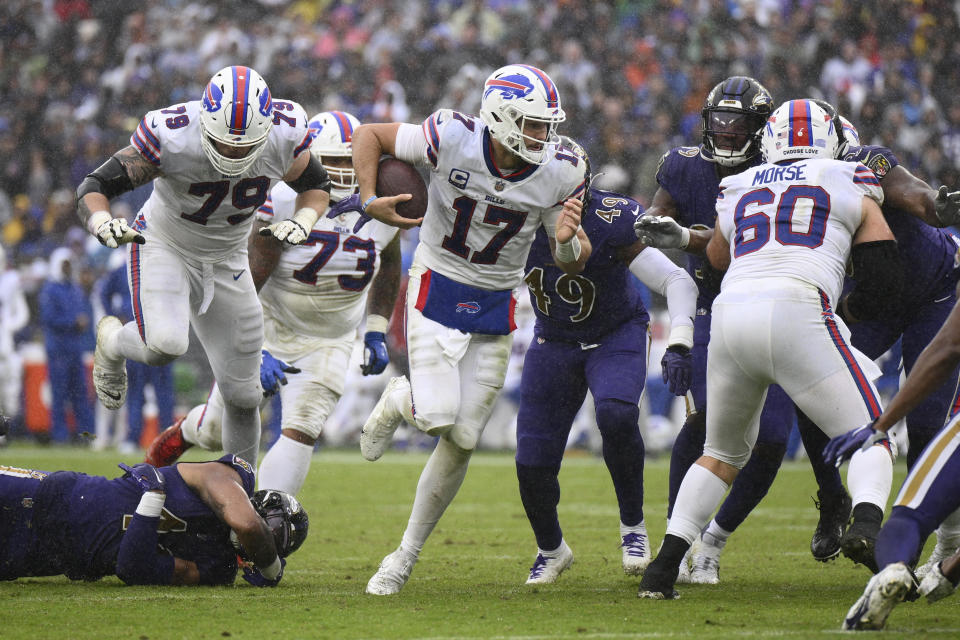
(286, 518)
(733, 116)
(574, 147)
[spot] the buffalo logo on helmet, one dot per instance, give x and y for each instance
(266, 104)
(212, 98)
(511, 87)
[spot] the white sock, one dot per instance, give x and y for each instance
(241, 432)
(127, 343)
(188, 428)
(701, 492)
(641, 527)
(949, 530)
(870, 476)
(439, 482)
(285, 466)
(715, 535)
(555, 553)
(404, 404)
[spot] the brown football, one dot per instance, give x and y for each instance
(395, 177)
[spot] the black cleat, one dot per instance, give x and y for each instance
(859, 541)
(834, 516)
(658, 581)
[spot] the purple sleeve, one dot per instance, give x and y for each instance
(137, 560)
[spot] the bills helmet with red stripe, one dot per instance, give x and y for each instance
(847, 135)
(733, 116)
(515, 95)
(237, 113)
(333, 146)
(798, 130)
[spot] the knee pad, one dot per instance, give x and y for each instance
(159, 358)
(243, 395)
(163, 347)
(617, 418)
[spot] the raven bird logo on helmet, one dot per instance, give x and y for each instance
(515, 95)
(333, 138)
(798, 130)
(732, 118)
(237, 112)
(284, 516)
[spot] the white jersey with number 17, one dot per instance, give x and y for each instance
(480, 222)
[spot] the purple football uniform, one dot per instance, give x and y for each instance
(72, 523)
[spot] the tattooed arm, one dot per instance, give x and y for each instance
(264, 254)
(384, 289)
(124, 171)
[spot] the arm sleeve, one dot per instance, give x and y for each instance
(656, 271)
(411, 145)
(138, 561)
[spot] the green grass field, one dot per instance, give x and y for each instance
(469, 581)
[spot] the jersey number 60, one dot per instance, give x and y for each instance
(753, 230)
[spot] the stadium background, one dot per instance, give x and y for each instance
(76, 76)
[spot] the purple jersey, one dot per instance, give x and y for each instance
(693, 182)
(76, 523)
(927, 252)
(591, 304)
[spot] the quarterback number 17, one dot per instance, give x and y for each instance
(456, 242)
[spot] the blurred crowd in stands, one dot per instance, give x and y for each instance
(77, 75)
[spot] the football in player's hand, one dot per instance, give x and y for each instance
(395, 177)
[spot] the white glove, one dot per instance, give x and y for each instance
(661, 232)
(935, 585)
(947, 206)
(113, 232)
(296, 229)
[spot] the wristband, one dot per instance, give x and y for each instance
(684, 238)
(96, 219)
(569, 251)
(377, 323)
(271, 572)
(681, 336)
(151, 504)
(366, 203)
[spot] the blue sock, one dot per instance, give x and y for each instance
(900, 539)
(540, 494)
(814, 440)
(687, 448)
(623, 452)
(751, 484)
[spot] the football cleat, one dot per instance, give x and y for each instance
(884, 592)
(704, 563)
(379, 428)
(834, 515)
(944, 548)
(167, 447)
(394, 571)
(109, 375)
(860, 540)
(936, 586)
(546, 570)
(636, 552)
(658, 580)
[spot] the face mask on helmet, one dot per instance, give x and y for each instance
(287, 520)
(333, 146)
(521, 108)
(799, 130)
(235, 119)
(732, 118)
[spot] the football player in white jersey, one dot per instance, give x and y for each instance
(14, 315)
(494, 181)
(313, 298)
(784, 232)
(212, 162)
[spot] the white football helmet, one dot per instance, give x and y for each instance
(333, 138)
(798, 130)
(513, 95)
(237, 111)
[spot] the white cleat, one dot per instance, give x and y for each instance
(379, 428)
(636, 552)
(109, 375)
(936, 586)
(704, 563)
(394, 571)
(683, 575)
(941, 551)
(546, 570)
(884, 592)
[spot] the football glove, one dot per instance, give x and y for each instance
(375, 356)
(661, 232)
(252, 575)
(350, 204)
(146, 476)
(272, 373)
(677, 369)
(841, 448)
(115, 232)
(936, 586)
(289, 231)
(947, 206)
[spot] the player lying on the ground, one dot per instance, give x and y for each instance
(929, 494)
(193, 523)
